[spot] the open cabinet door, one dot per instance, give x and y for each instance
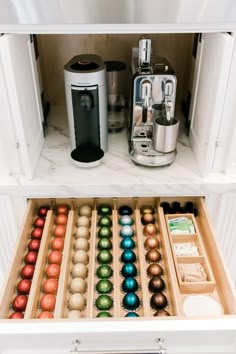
(213, 60)
(23, 103)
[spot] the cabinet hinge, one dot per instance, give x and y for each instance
(217, 143)
(17, 145)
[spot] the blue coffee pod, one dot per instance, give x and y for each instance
(128, 256)
(127, 243)
(131, 301)
(129, 284)
(129, 270)
(131, 314)
(125, 210)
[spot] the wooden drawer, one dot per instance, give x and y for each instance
(155, 291)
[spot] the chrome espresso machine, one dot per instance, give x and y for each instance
(153, 129)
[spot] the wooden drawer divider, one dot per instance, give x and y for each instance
(116, 262)
(38, 274)
(92, 265)
(143, 273)
(62, 284)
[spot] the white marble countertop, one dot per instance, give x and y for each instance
(56, 176)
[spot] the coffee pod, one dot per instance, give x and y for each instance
(150, 230)
(125, 210)
(158, 301)
(154, 269)
(104, 209)
(153, 256)
(129, 270)
(156, 284)
(131, 301)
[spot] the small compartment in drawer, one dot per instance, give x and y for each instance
(194, 275)
(181, 224)
(186, 246)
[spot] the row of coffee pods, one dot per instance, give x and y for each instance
(177, 208)
(129, 285)
(47, 300)
(22, 290)
(80, 259)
(156, 284)
(104, 258)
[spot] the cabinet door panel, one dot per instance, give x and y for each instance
(209, 86)
(11, 162)
(22, 86)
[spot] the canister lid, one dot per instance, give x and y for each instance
(202, 305)
(84, 65)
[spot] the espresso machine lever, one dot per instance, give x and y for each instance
(144, 53)
(146, 95)
(168, 88)
(167, 105)
(167, 92)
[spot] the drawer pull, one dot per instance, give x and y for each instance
(161, 350)
(75, 350)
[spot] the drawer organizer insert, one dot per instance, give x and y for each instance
(87, 258)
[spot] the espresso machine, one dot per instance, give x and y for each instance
(153, 129)
(86, 99)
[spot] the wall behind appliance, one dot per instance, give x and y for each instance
(56, 50)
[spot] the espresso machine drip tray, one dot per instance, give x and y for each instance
(88, 156)
(143, 153)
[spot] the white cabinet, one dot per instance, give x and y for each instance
(213, 136)
(212, 128)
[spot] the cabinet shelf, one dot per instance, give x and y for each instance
(116, 175)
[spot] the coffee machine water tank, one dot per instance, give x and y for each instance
(86, 100)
